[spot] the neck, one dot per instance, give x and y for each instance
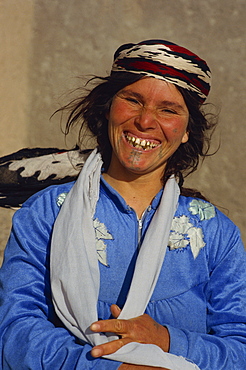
(138, 191)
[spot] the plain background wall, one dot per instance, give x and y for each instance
(46, 45)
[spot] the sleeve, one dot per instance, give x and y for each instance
(224, 345)
(31, 336)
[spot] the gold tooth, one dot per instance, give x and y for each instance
(140, 144)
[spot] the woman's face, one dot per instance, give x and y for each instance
(147, 123)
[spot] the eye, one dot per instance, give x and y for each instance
(133, 100)
(168, 110)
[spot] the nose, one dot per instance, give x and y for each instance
(145, 120)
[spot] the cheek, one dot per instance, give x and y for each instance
(114, 133)
(121, 112)
(178, 130)
(180, 134)
(113, 119)
(175, 131)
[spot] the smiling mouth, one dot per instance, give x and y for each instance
(138, 143)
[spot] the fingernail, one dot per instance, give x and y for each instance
(95, 327)
(96, 352)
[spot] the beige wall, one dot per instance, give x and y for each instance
(46, 44)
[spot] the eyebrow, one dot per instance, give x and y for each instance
(172, 104)
(130, 93)
(166, 103)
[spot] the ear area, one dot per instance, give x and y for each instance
(185, 138)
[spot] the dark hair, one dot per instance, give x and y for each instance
(90, 111)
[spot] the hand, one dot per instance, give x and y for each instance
(141, 329)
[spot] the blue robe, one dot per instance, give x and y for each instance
(200, 295)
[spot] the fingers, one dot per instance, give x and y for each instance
(110, 347)
(114, 325)
(115, 310)
(109, 325)
(141, 329)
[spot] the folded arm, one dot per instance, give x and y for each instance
(31, 336)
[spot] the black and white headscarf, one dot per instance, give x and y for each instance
(166, 61)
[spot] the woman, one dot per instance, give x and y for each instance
(169, 288)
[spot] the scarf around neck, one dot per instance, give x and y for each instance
(75, 277)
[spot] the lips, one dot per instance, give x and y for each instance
(143, 144)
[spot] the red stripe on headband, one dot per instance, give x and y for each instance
(161, 70)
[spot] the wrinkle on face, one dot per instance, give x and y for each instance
(147, 123)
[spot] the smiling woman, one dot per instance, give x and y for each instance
(147, 122)
(147, 119)
(122, 269)
(173, 64)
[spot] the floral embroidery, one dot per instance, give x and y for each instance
(203, 209)
(60, 199)
(101, 233)
(184, 233)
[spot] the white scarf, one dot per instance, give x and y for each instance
(75, 272)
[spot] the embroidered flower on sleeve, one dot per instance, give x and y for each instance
(60, 199)
(101, 232)
(184, 233)
(205, 210)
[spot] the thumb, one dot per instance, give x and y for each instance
(115, 310)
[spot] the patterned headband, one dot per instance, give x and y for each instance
(166, 61)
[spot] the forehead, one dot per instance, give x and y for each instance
(153, 89)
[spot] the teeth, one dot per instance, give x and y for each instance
(143, 142)
(140, 144)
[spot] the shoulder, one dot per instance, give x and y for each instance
(50, 193)
(45, 203)
(203, 212)
(205, 227)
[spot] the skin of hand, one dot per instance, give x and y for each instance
(141, 329)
